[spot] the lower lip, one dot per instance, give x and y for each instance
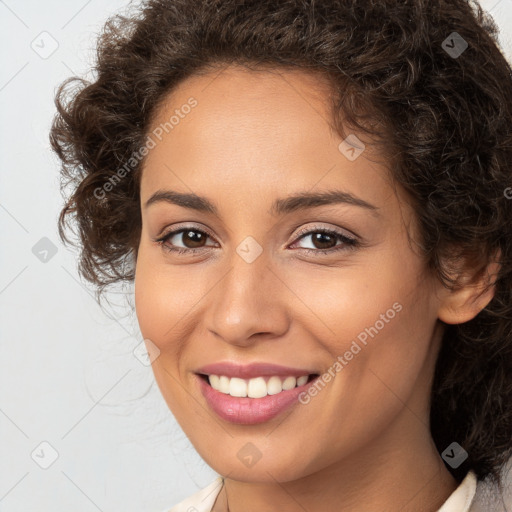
(250, 411)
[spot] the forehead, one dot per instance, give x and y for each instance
(247, 106)
(245, 85)
(253, 130)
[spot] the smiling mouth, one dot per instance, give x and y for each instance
(257, 387)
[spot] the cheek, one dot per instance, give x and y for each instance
(148, 300)
(338, 304)
(168, 300)
(160, 301)
(378, 320)
(162, 297)
(381, 342)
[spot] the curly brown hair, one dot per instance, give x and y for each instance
(441, 110)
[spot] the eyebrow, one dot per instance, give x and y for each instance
(282, 206)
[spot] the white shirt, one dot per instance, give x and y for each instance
(203, 500)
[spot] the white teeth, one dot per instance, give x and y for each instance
(223, 385)
(274, 385)
(214, 381)
(257, 387)
(289, 383)
(302, 380)
(237, 387)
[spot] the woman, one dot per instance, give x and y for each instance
(313, 200)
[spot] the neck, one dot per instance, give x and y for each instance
(411, 478)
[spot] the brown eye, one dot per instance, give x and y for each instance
(192, 239)
(323, 240)
(184, 240)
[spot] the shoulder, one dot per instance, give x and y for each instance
(202, 500)
(474, 495)
(489, 498)
(462, 497)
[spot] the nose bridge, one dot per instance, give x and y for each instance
(247, 299)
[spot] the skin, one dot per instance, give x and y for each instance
(363, 442)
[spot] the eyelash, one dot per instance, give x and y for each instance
(348, 242)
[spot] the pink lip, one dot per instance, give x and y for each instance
(252, 370)
(250, 411)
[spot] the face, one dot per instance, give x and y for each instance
(325, 286)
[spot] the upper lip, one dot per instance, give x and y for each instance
(230, 369)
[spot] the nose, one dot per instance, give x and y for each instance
(249, 303)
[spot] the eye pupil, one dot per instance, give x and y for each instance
(320, 238)
(195, 238)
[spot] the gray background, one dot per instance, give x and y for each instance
(68, 376)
